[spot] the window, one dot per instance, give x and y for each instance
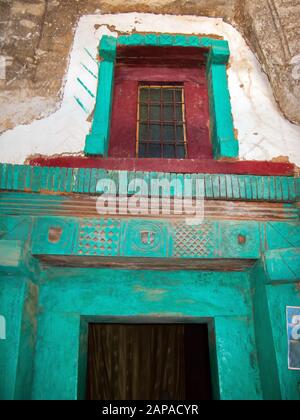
(199, 63)
(161, 122)
(160, 106)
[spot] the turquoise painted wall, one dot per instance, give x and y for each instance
(68, 301)
(11, 298)
(48, 309)
(278, 297)
(101, 294)
(18, 299)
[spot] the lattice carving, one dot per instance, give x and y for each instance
(193, 241)
(99, 237)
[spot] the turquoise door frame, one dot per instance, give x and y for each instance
(130, 296)
(83, 347)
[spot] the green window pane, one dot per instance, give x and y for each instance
(168, 112)
(179, 133)
(154, 112)
(169, 151)
(154, 150)
(168, 133)
(142, 150)
(144, 94)
(143, 113)
(161, 125)
(154, 132)
(180, 152)
(178, 95)
(168, 95)
(143, 132)
(155, 94)
(179, 116)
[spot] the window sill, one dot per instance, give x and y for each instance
(210, 166)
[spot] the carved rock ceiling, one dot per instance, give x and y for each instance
(36, 37)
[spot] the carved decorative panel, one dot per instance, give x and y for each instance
(146, 238)
(98, 237)
(193, 240)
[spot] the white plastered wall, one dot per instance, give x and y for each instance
(263, 132)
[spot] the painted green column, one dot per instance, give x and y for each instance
(237, 365)
(221, 123)
(11, 305)
(263, 335)
(280, 295)
(18, 306)
(97, 141)
(56, 369)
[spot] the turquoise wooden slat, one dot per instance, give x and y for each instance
(235, 187)
(3, 176)
(242, 186)
(69, 180)
(56, 179)
(36, 179)
(9, 177)
(208, 186)
(260, 191)
(279, 195)
(229, 191)
(44, 179)
(93, 180)
(188, 188)
(285, 190)
(15, 183)
(254, 187)
(248, 187)
(87, 180)
(62, 179)
(223, 189)
(74, 180)
(216, 185)
(291, 188)
(84, 180)
(272, 188)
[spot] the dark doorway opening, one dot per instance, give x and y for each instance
(148, 362)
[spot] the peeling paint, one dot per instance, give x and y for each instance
(253, 107)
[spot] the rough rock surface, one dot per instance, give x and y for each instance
(36, 37)
(272, 30)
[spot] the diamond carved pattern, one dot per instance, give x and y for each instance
(193, 241)
(99, 237)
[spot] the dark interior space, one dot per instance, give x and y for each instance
(148, 362)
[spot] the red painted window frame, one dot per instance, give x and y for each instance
(124, 111)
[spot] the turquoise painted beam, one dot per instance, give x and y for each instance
(27, 341)
(265, 347)
(282, 235)
(84, 181)
(123, 238)
(12, 294)
(57, 351)
(98, 140)
(246, 385)
(11, 256)
(169, 40)
(18, 303)
(221, 123)
(283, 264)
